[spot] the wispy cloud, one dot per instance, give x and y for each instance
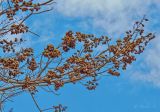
(113, 16)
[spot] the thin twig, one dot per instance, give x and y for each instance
(35, 102)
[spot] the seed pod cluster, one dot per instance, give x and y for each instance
(24, 54)
(52, 74)
(14, 72)
(113, 72)
(91, 85)
(18, 28)
(10, 63)
(32, 65)
(17, 1)
(58, 84)
(10, 13)
(51, 52)
(68, 41)
(9, 45)
(25, 5)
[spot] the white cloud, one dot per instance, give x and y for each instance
(114, 16)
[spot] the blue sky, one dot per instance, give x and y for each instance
(136, 90)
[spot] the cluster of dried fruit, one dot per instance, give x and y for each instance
(10, 13)
(14, 72)
(20, 28)
(32, 65)
(25, 5)
(113, 72)
(68, 41)
(24, 54)
(90, 41)
(10, 64)
(91, 85)
(59, 108)
(51, 52)
(52, 75)
(8, 46)
(58, 84)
